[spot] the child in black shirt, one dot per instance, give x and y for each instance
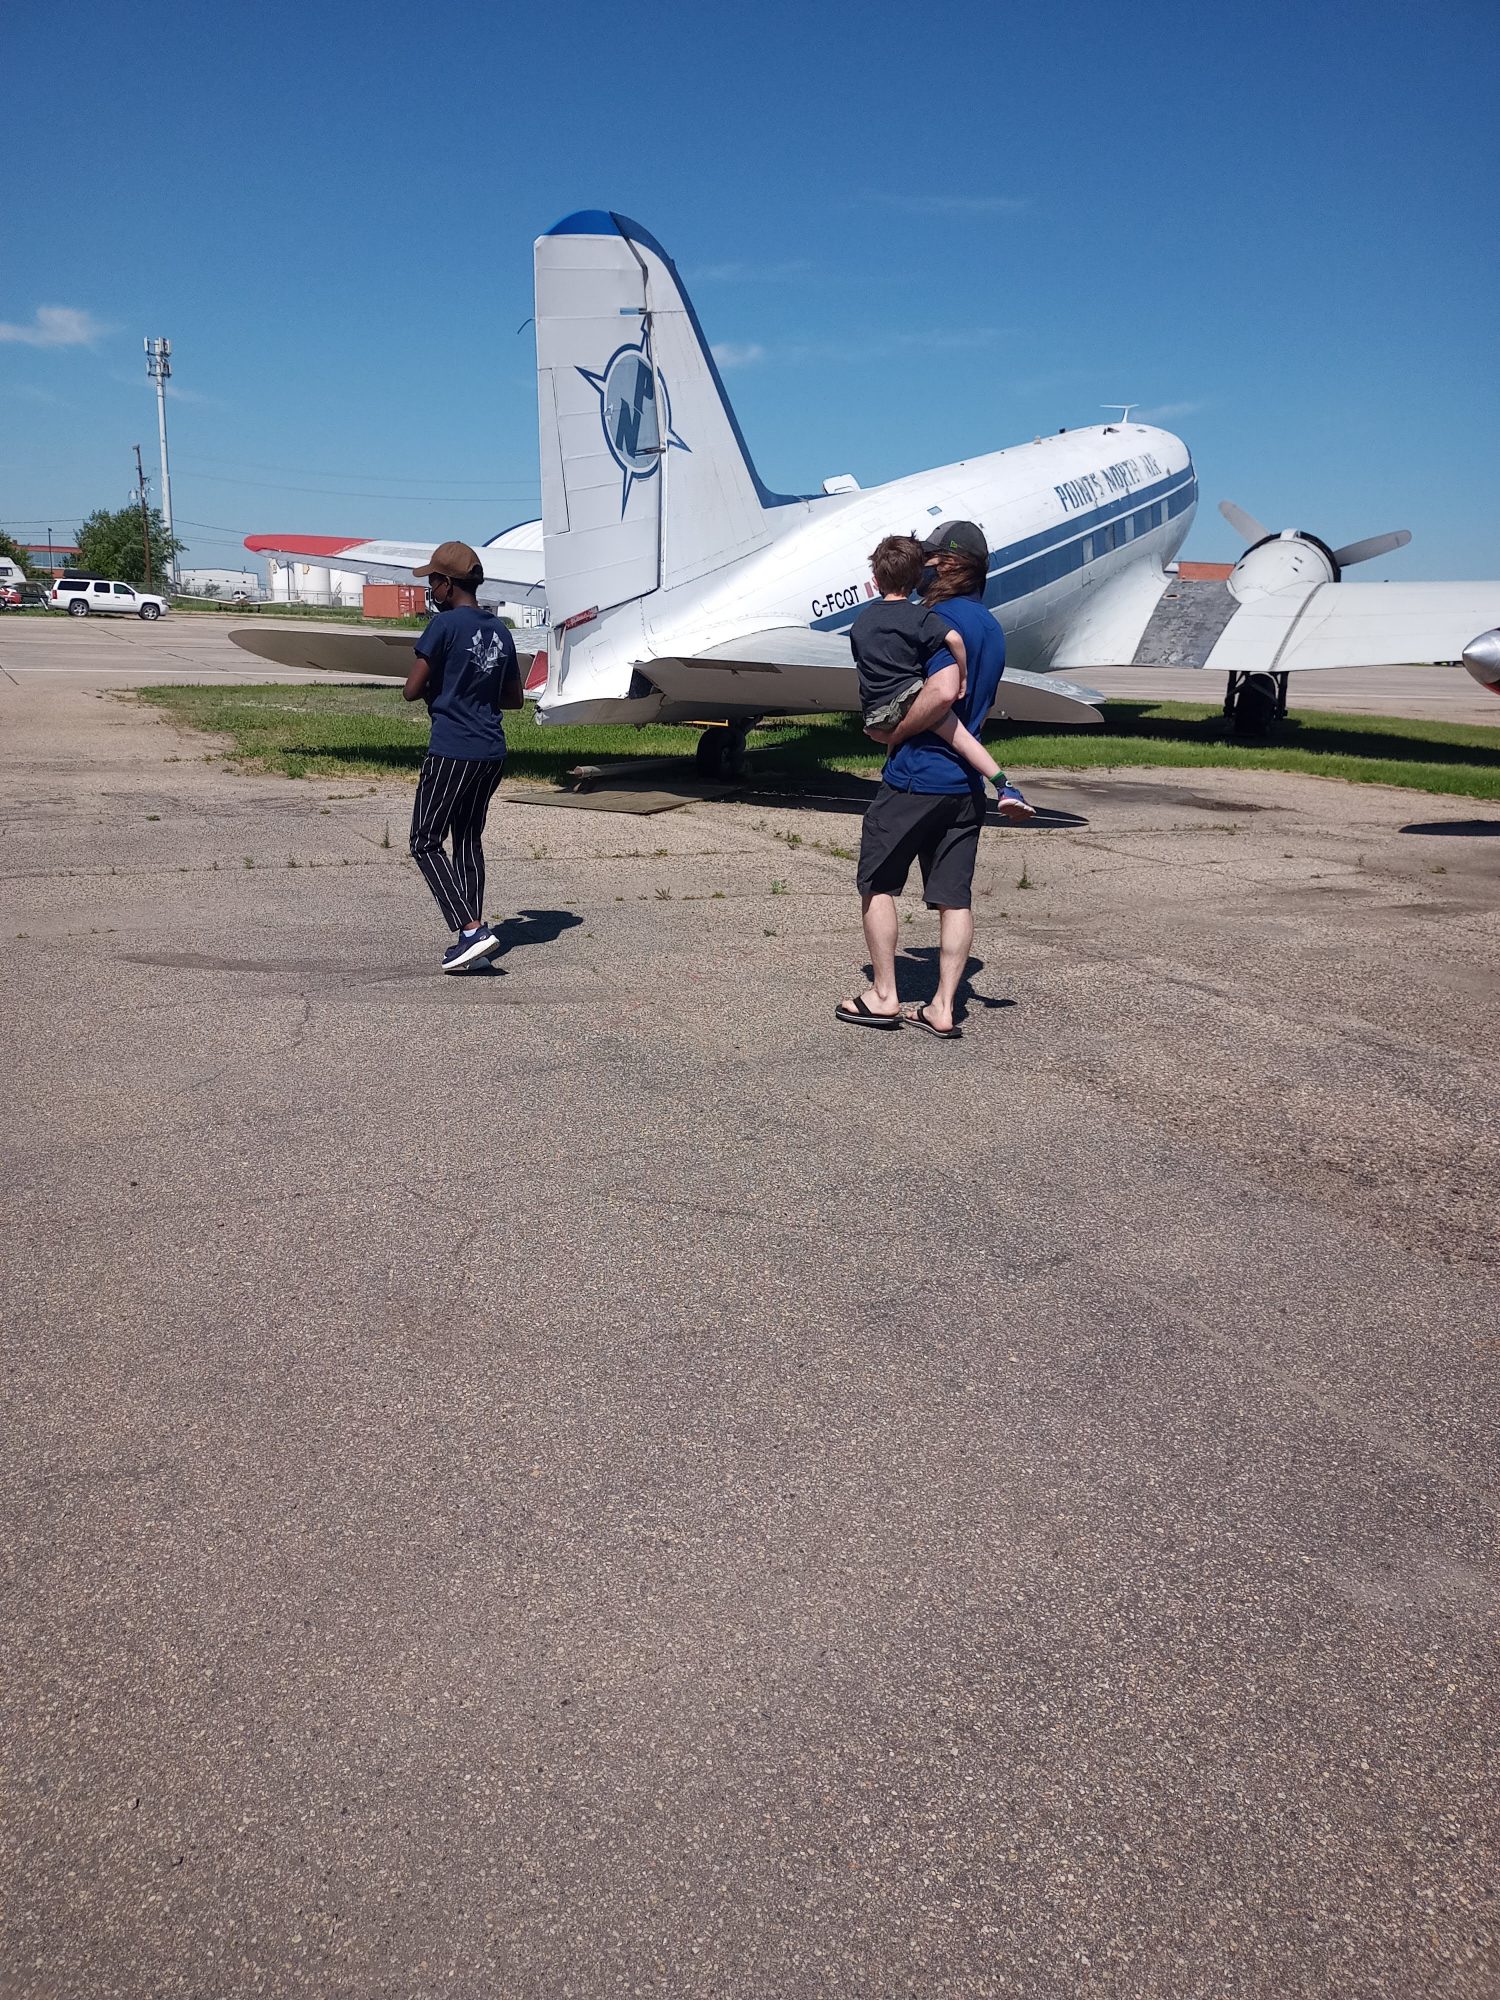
(892, 642)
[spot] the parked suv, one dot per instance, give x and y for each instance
(79, 595)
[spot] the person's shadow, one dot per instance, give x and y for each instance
(525, 927)
(916, 976)
(534, 927)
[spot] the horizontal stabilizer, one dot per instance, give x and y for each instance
(337, 649)
(1045, 698)
(787, 653)
(792, 670)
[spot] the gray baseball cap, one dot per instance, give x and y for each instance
(957, 538)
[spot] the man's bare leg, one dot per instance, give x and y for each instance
(881, 934)
(955, 937)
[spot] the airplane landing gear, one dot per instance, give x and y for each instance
(1255, 703)
(720, 756)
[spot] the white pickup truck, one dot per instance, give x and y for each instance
(80, 595)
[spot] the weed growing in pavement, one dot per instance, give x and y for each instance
(152, 816)
(779, 888)
(1024, 881)
(717, 896)
(385, 839)
(664, 895)
(291, 861)
(249, 860)
(822, 846)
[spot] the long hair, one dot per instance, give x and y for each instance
(965, 577)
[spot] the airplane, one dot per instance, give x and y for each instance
(679, 588)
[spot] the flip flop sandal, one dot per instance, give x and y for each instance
(918, 1019)
(860, 1016)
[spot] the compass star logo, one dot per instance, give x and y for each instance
(627, 387)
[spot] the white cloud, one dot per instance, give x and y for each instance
(738, 353)
(887, 346)
(956, 204)
(737, 272)
(1155, 413)
(56, 326)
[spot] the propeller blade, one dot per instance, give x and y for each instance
(1373, 545)
(1242, 523)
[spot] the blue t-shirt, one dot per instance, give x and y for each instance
(469, 653)
(925, 763)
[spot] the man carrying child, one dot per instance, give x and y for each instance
(928, 678)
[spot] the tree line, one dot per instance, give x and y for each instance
(112, 544)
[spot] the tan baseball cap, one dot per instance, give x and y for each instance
(455, 559)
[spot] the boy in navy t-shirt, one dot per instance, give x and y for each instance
(466, 672)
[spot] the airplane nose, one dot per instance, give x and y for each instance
(1482, 658)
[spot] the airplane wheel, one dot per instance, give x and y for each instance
(1255, 705)
(720, 755)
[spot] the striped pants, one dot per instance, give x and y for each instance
(453, 797)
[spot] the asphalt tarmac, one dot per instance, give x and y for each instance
(597, 1479)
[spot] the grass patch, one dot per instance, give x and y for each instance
(321, 614)
(342, 731)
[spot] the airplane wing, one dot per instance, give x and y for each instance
(1355, 625)
(346, 649)
(1145, 618)
(512, 561)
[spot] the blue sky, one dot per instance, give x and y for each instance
(1274, 228)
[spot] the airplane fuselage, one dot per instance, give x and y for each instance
(1066, 518)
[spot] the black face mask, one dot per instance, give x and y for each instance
(928, 577)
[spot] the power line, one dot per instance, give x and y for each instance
(339, 472)
(345, 493)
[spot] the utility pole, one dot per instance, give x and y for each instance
(159, 368)
(140, 480)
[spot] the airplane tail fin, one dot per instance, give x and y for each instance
(646, 482)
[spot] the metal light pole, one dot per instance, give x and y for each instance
(159, 368)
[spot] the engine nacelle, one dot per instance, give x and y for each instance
(1291, 557)
(1482, 658)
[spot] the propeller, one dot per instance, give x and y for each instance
(1371, 546)
(1246, 526)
